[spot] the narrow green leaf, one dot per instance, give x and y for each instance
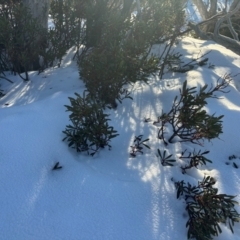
(146, 146)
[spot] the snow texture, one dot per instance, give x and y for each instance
(111, 195)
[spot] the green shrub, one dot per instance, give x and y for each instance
(22, 39)
(90, 130)
(105, 74)
(121, 46)
(68, 30)
(207, 209)
(164, 159)
(188, 118)
(138, 145)
(195, 159)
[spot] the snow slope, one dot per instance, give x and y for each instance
(111, 195)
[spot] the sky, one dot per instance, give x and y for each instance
(111, 195)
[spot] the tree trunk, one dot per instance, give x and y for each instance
(231, 43)
(202, 8)
(39, 10)
(234, 5)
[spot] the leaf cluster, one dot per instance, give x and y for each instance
(188, 118)
(207, 209)
(233, 158)
(175, 63)
(195, 159)
(89, 130)
(138, 145)
(164, 159)
(103, 75)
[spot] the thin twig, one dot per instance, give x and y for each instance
(195, 59)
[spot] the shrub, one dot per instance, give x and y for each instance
(138, 145)
(22, 38)
(207, 209)
(187, 117)
(105, 74)
(90, 130)
(164, 159)
(195, 159)
(68, 30)
(120, 49)
(115, 62)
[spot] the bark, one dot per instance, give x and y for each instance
(213, 8)
(220, 38)
(39, 10)
(205, 13)
(202, 8)
(234, 5)
(229, 43)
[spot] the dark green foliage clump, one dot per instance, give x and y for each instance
(207, 209)
(119, 43)
(233, 159)
(90, 130)
(22, 39)
(106, 74)
(175, 63)
(188, 118)
(138, 145)
(165, 160)
(68, 29)
(115, 62)
(195, 159)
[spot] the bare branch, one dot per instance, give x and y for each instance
(224, 18)
(227, 42)
(231, 29)
(202, 8)
(6, 79)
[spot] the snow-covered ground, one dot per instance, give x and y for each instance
(109, 196)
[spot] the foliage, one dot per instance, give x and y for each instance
(22, 38)
(120, 46)
(175, 63)
(233, 159)
(188, 118)
(196, 159)
(138, 146)
(165, 160)
(90, 130)
(207, 209)
(115, 62)
(68, 28)
(56, 166)
(106, 74)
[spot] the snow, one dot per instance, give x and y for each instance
(111, 195)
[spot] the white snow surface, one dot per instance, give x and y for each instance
(110, 196)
